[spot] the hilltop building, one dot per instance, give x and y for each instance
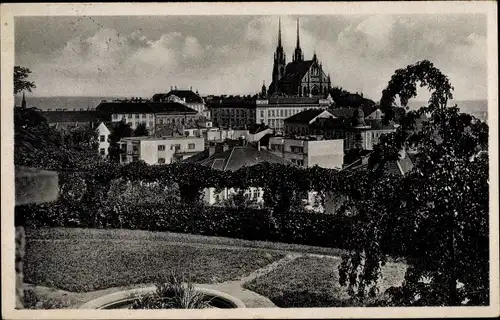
(186, 97)
(297, 78)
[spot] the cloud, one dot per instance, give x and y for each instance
(361, 53)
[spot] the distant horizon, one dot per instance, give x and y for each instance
(227, 94)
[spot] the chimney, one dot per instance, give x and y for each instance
(175, 87)
(191, 88)
(171, 88)
(258, 145)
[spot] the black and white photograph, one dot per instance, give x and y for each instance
(269, 160)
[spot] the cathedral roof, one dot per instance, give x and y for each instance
(296, 70)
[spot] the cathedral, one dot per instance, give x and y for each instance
(299, 77)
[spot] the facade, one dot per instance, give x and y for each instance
(187, 97)
(163, 150)
(103, 133)
(149, 113)
(235, 113)
(274, 110)
(299, 77)
(309, 151)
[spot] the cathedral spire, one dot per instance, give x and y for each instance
(23, 103)
(279, 32)
(298, 35)
(298, 51)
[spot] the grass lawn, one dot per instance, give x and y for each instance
(89, 260)
(314, 282)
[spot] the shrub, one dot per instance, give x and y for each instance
(172, 292)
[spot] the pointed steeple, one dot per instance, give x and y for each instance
(23, 103)
(298, 51)
(279, 32)
(298, 34)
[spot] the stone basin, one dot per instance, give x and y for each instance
(124, 299)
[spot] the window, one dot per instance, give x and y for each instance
(161, 160)
(295, 149)
(137, 116)
(161, 147)
(175, 147)
(115, 116)
(268, 113)
(129, 116)
(286, 113)
(281, 113)
(191, 146)
(102, 138)
(262, 113)
(272, 113)
(102, 151)
(150, 123)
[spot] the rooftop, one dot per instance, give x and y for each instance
(305, 116)
(153, 138)
(188, 95)
(70, 116)
(238, 157)
(144, 107)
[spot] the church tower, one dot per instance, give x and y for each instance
(279, 60)
(298, 56)
(23, 102)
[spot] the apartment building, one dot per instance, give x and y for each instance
(160, 150)
(309, 151)
(151, 114)
(233, 112)
(274, 110)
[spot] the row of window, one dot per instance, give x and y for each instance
(276, 123)
(296, 149)
(298, 162)
(132, 115)
(161, 147)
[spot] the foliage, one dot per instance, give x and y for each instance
(346, 99)
(436, 217)
(38, 145)
(404, 84)
(141, 130)
(119, 131)
(172, 292)
(20, 82)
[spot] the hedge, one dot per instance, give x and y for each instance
(243, 223)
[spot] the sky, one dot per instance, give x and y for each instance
(129, 56)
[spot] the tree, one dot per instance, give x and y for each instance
(141, 130)
(121, 130)
(20, 82)
(436, 217)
